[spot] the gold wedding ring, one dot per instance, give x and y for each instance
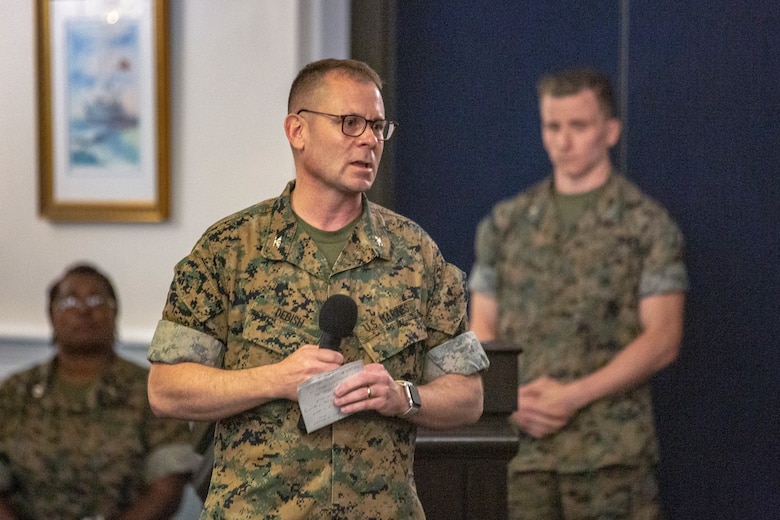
(368, 392)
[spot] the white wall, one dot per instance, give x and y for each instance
(230, 67)
(231, 64)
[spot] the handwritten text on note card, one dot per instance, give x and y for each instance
(315, 396)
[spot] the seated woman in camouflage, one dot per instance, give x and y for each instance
(77, 437)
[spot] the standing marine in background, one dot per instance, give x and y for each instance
(586, 274)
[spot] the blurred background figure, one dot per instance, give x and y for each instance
(586, 274)
(78, 439)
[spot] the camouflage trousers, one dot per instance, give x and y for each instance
(612, 493)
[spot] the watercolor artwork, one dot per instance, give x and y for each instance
(103, 103)
(103, 95)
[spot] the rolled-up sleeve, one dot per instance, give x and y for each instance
(175, 343)
(462, 354)
(170, 459)
(170, 448)
(663, 268)
(483, 278)
(673, 279)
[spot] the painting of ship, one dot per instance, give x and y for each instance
(103, 90)
(109, 112)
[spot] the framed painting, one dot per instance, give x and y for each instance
(103, 110)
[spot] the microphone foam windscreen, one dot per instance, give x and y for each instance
(338, 315)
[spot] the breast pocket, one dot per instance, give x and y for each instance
(394, 337)
(269, 334)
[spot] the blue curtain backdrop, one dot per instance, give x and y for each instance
(700, 87)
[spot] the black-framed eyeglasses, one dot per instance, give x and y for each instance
(354, 125)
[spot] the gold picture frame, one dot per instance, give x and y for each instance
(103, 110)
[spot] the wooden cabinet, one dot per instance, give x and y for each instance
(461, 473)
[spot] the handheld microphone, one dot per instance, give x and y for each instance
(338, 316)
(337, 319)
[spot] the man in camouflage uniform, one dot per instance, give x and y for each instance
(586, 274)
(240, 326)
(77, 436)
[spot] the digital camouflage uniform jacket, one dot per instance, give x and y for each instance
(571, 302)
(249, 294)
(61, 459)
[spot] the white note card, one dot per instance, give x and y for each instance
(315, 396)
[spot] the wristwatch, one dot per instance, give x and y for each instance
(413, 395)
